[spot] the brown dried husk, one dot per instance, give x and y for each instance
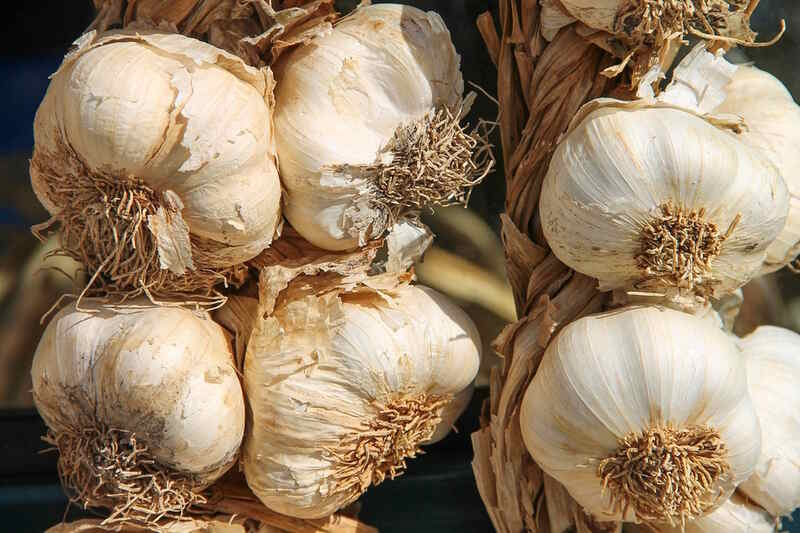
(541, 86)
(258, 31)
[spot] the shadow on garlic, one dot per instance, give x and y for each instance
(154, 155)
(143, 404)
(368, 126)
(629, 405)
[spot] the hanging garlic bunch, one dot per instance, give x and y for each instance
(643, 415)
(343, 388)
(736, 515)
(154, 154)
(773, 374)
(645, 33)
(771, 119)
(649, 197)
(143, 405)
(367, 124)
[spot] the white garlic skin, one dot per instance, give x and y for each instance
(772, 127)
(339, 101)
(178, 114)
(609, 176)
(608, 375)
(773, 373)
(736, 515)
(313, 370)
(166, 374)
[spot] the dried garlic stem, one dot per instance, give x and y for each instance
(110, 468)
(678, 248)
(380, 449)
(665, 474)
(105, 222)
(650, 25)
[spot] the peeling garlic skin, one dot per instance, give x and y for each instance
(343, 391)
(179, 115)
(165, 374)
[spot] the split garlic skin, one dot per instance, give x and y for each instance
(180, 131)
(343, 389)
(610, 383)
(163, 375)
(339, 102)
(658, 200)
(773, 372)
(772, 127)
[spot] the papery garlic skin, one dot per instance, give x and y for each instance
(616, 170)
(324, 374)
(771, 126)
(736, 515)
(164, 374)
(773, 373)
(340, 100)
(176, 115)
(611, 375)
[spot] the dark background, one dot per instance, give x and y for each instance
(438, 492)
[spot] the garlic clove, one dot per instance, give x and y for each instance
(614, 385)
(136, 399)
(773, 371)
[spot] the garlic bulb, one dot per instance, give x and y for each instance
(143, 404)
(154, 153)
(367, 126)
(343, 388)
(771, 125)
(736, 515)
(773, 373)
(656, 199)
(643, 415)
(647, 33)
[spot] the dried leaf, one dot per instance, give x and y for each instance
(172, 236)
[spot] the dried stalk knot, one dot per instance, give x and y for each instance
(647, 27)
(103, 467)
(665, 474)
(104, 223)
(381, 448)
(678, 248)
